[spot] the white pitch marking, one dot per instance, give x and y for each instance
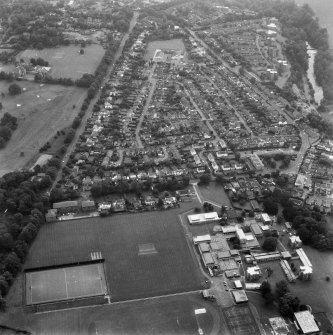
(66, 284)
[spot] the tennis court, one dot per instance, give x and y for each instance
(241, 321)
(65, 283)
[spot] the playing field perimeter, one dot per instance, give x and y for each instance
(65, 283)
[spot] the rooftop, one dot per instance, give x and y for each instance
(306, 322)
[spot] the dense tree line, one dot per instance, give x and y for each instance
(310, 224)
(22, 206)
(288, 302)
(8, 124)
(323, 126)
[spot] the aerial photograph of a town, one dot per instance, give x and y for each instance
(166, 167)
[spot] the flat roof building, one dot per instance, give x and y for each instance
(204, 247)
(238, 284)
(203, 218)
(239, 296)
(306, 323)
(257, 231)
(201, 238)
(208, 259)
(265, 218)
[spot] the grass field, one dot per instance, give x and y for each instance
(165, 316)
(65, 283)
(318, 292)
(66, 62)
(41, 112)
(145, 254)
(215, 193)
(175, 44)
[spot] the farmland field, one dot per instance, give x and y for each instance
(175, 44)
(41, 110)
(66, 62)
(145, 254)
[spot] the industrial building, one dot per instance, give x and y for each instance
(203, 218)
(306, 323)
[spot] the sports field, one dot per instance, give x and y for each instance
(145, 254)
(65, 283)
(165, 316)
(65, 61)
(241, 321)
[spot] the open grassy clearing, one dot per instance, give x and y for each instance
(167, 315)
(175, 44)
(215, 193)
(65, 61)
(41, 110)
(318, 292)
(145, 254)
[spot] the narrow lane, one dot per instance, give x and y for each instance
(153, 81)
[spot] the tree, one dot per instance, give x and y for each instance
(21, 249)
(2, 142)
(2, 304)
(5, 133)
(270, 244)
(12, 263)
(3, 285)
(160, 203)
(281, 288)
(204, 179)
(271, 207)
(14, 89)
(220, 179)
(265, 288)
(6, 240)
(76, 122)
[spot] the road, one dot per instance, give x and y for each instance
(153, 81)
(88, 113)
